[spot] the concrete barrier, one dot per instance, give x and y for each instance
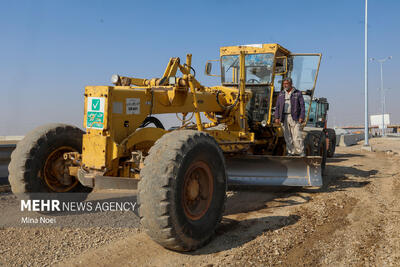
(348, 139)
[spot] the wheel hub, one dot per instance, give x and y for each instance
(198, 190)
(55, 171)
(193, 189)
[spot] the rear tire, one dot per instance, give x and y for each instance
(322, 151)
(331, 134)
(182, 190)
(315, 145)
(36, 160)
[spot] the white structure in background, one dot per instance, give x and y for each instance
(376, 120)
(381, 61)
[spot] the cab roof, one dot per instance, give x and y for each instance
(253, 49)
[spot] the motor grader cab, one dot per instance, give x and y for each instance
(318, 111)
(181, 175)
(266, 65)
(318, 118)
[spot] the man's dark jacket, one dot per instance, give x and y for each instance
(296, 103)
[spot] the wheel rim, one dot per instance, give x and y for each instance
(198, 189)
(54, 171)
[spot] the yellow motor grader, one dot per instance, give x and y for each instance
(226, 137)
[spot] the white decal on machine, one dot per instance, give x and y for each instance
(133, 106)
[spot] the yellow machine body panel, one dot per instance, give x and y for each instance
(113, 115)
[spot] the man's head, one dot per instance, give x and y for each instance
(287, 84)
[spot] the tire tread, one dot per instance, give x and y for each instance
(167, 154)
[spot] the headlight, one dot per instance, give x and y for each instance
(172, 80)
(114, 78)
(263, 123)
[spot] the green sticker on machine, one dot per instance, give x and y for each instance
(95, 113)
(95, 120)
(96, 104)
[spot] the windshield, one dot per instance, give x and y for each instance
(321, 110)
(258, 68)
(230, 69)
(307, 100)
(304, 71)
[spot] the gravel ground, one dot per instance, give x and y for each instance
(353, 220)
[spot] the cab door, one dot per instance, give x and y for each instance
(303, 69)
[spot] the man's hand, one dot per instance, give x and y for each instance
(301, 120)
(277, 121)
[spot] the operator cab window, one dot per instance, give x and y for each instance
(258, 69)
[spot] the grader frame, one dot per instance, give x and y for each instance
(112, 136)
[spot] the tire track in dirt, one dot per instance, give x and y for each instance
(307, 252)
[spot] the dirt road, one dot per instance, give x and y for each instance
(353, 220)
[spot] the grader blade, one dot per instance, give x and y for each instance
(274, 171)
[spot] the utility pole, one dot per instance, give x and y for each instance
(366, 131)
(384, 108)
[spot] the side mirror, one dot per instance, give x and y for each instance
(208, 68)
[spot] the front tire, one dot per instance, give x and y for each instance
(182, 190)
(37, 164)
(331, 134)
(315, 145)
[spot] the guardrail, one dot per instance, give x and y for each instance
(5, 154)
(7, 145)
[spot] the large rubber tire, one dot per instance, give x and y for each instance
(28, 160)
(322, 151)
(310, 143)
(331, 134)
(162, 197)
(315, 145)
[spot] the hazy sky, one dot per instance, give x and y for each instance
(50, 50)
